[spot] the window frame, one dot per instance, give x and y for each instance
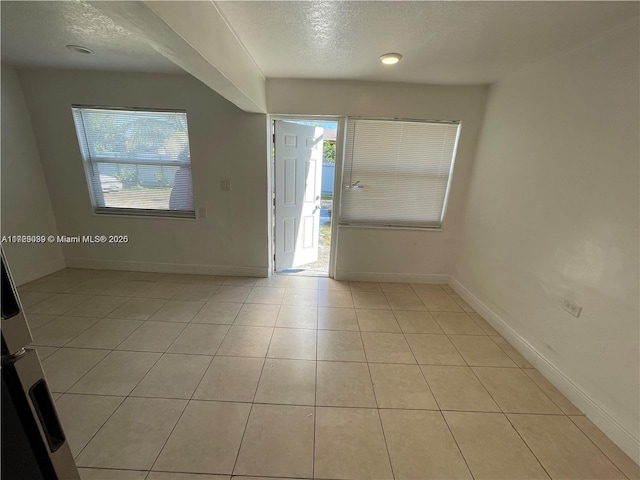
(363, 224)
(90, 163)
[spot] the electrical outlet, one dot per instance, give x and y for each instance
(225, 185)
(572, 307)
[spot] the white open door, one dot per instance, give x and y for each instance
(298, 174)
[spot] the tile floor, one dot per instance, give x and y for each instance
(188, 377)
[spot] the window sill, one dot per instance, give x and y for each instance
(390, 227)
(149, 214)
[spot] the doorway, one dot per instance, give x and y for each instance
(304, 166)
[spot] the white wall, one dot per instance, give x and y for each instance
(226, 143)
(552, 213)
(26, 206)
(393, 254)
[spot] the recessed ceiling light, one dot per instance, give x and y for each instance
(80, 49)
(390, 58)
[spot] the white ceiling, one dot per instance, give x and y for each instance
(450, 42)
(447, 42)
(35, 34)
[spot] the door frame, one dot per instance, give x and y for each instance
(337, 182)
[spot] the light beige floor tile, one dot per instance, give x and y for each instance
(481, 351)
(111, 474)
(257, 315)
(337, 319)
(36, 321)
(278, 441)
(218, 313)
(287, 382)
(137, 309)
(164, 290)
(552, 392)
(448, 289)
(439, 302)
(107, 333)
(293, 343)
(296, 282)
(240, 281)
(186, 476)
(340, 346)
(377, 321)
(173, 376)
(421, 446)
(203, 279)
(610, 449)
(83, 415)
(66, 366)
(181, 311)
(405, 301)
(94, 286)
(299, 296)
(199, 339)
(236, 477)
(279, 281)
(246, 341)
(297, 316)
(365, 287)
(457, 388)
(401, 386)
(350, 444)
(232, 379)
(370, 300)
(386, 348)
(198, 293)
(564, 451)
(457, 323)
(513, 354)
(51, 284)
(269, 295)
(427, 288)
(117, 374)
(61, 330)
(29, 299)
(417, 322)
(492, 448)
(58, 304)
(464, 305)
(206, 438)
(98, 306)
(396, 288)
(126, 288)
(433, 349)
(331, 284)
(44, 352)
(152, 337)
(483, 324)
(514, 392)
(342, 384)
(335, 298)
(134, 435)
(231, 294)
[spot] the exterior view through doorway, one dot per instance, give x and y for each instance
(304, 153)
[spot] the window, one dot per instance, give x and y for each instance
(136, 161)
(397, 173)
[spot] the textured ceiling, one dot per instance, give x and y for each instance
(35, 34)
(451, 42)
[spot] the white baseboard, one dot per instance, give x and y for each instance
(168, 267)
(390, 277)
(617, 432)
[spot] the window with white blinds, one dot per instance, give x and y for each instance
(397, 173)
(136, 161)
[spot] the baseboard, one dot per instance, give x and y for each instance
(168, 267)
(390, 277)
(617, 432)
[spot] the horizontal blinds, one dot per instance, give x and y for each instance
(136, 159)
(396, 173)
